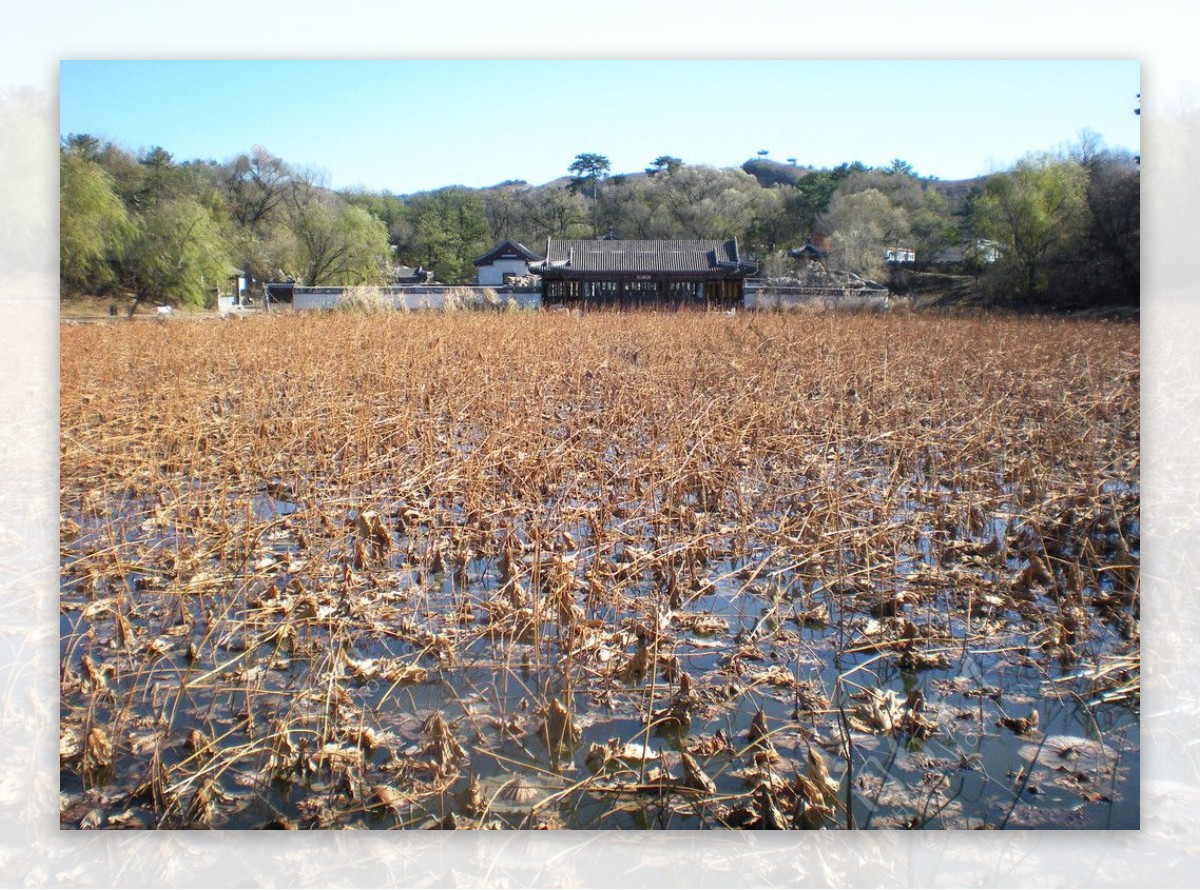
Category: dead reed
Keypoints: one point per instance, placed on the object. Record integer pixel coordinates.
(509, 570)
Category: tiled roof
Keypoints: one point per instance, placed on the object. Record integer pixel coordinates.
(507, 246)
(644, 256)
(807, 251)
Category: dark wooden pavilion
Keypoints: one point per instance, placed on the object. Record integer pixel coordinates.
(633, 274)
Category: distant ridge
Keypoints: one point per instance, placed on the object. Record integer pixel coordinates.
(768, 173)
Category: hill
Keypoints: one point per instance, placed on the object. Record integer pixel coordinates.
(769, 173)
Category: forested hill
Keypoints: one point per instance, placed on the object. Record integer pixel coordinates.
(1067, 224)
(772, 173)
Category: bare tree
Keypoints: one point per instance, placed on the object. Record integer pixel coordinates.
(258, 183)
(861, 226)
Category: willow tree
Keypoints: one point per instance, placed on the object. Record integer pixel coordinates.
(1035, 211)
(178, 254)
(93, 225)
(339, 244)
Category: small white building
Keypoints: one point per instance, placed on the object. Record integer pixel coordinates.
(988, 251)
(981, 250)
(505, 261)
(898, 254)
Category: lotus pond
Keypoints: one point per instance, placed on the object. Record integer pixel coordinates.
(619, 571)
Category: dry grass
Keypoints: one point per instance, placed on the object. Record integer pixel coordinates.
(365, 300)
(507, 569)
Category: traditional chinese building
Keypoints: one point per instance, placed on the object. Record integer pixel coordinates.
(507, 260)
(631, 274)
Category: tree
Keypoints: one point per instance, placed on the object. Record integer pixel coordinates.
(810, 198)
(1087, 150)
(162, 180)
(664, 164)
(450, 229)
(1106, 263)
(774, 225)
(157, 157)
(634, 209)
(706, 202)
(590, 170)
(843, 170)
(269, 255)
(177, 254)
(257, 183)
(556, 212)
(503, 206)
(339, 244)
(128, 175)
(93, 224)
(900, 188)
(1113, 200)
(932, 226)
(813, 192)
(1033, 212)
(861, 225)
(899, 165)
(82, 145)
(387, 208)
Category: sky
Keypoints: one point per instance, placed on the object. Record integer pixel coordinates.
(406, 126)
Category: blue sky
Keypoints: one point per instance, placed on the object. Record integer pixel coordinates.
(411, 125)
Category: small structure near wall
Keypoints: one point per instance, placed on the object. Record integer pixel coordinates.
(899, 254)
(410, 275)
(240, 296)
(507, 260)
(238, 284)
(650, 274)
(808, 251)
(279, 292)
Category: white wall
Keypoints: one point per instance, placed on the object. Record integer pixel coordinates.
(492, 275)
(226, 304)
(412, 298)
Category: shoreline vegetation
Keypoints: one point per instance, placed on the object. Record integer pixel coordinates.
(1058, 231)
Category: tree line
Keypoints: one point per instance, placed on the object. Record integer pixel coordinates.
(1065, 225)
